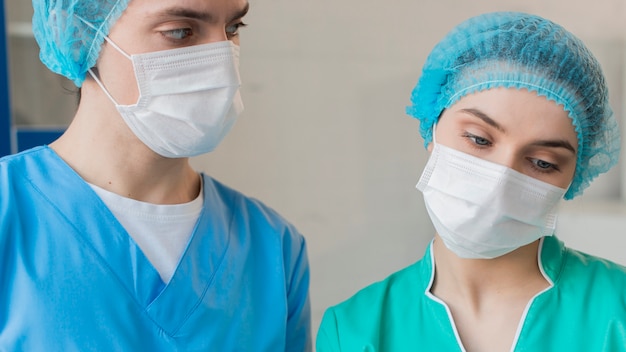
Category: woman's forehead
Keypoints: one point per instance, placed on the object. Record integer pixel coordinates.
(518, 110)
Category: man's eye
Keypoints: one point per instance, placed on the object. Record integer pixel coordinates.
(233, 29)
(178, 34)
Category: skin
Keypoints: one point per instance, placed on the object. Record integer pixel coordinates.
(531, 135)
(98, 144)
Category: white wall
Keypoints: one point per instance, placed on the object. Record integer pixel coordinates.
(325, 141)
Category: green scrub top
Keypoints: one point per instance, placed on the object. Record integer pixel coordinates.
(584, 309)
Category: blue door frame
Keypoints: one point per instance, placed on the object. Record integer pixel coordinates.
(15, 138)
(5, 98)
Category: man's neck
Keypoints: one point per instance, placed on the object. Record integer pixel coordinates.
(101, 148)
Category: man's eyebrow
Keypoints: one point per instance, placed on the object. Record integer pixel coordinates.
(481, 115)
(241, 12)
(200, 15)
(188, 13)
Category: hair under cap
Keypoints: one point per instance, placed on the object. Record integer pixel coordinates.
(70, 33)
(517, 50)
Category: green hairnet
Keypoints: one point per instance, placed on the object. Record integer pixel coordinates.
(68, 45)
(517, 50)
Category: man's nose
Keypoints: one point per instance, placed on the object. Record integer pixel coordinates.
(217, 34)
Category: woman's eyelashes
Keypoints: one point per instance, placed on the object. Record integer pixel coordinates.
(476, 141)
(543, 166)
(536, 165)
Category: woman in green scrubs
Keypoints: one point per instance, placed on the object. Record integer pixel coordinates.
(514, 112)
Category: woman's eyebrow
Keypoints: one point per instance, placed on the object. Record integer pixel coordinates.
(556, 143)
(481, 115)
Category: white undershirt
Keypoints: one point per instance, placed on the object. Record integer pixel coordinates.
(161, 231)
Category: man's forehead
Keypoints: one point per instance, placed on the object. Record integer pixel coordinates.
(206, 10)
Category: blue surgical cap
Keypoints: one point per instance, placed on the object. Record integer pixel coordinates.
(70, 33)
(517, 50)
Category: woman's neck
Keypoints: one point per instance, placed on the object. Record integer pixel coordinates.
(476, 280)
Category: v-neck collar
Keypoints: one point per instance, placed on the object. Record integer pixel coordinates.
(169, 305)
(550, 261)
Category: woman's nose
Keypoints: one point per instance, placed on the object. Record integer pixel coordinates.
(510, 159)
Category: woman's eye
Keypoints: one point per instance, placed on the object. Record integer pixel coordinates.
(178, 34)
(481, 141)
(477, 140)
(232, 30)
(543, 166)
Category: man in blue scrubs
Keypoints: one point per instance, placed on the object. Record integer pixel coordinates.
(109, 240)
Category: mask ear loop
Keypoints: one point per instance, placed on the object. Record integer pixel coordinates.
(434, 134)
(106, 37)
(91, 73)
(95, 77)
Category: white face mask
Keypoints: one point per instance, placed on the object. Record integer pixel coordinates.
(189, 98)
(484, 210)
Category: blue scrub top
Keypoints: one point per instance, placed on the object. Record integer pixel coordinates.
(72, 279)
